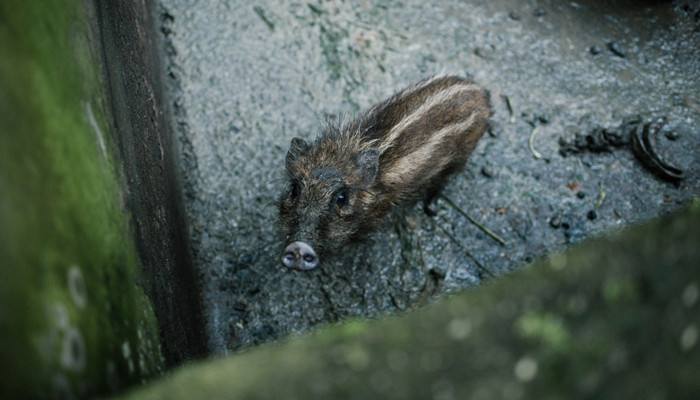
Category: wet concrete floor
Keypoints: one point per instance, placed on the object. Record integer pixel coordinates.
(554, 169)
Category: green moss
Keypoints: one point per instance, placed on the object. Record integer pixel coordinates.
(331, 38)
(547, 328)
(70, 306)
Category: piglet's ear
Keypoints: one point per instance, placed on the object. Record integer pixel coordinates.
(297, 148)
(368, 164)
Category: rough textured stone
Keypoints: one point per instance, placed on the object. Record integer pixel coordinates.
(143, 131)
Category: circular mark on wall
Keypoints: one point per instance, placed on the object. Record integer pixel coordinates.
(76, 286)
(73, 352)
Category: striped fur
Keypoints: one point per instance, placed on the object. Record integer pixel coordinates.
(434, 126)
(417, 138)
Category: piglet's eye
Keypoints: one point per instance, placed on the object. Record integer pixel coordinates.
(341, 199)
(294, 192)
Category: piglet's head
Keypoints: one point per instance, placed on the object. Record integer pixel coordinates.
(322, 208)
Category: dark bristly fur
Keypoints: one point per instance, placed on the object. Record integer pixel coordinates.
(400, 150)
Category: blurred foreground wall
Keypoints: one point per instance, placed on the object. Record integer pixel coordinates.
(614, 318)
(95, 281)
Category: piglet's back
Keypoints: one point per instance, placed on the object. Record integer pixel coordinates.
(423, 134)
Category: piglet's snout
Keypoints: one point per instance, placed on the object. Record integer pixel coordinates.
(299, 255)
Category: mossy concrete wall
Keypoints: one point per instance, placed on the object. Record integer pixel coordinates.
(616, 318)
(95, 286)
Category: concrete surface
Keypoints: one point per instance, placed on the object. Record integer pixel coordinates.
(247, 78)
(142, 129)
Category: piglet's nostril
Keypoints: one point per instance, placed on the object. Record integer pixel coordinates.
(288, 259)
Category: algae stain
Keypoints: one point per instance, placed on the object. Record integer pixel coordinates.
(68, 295)
(547, 328)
